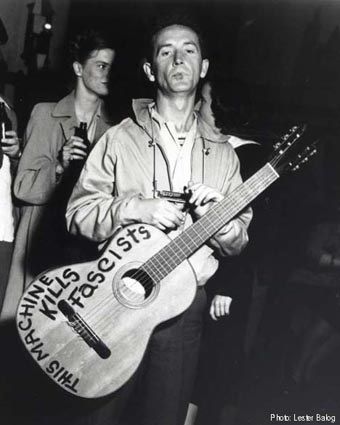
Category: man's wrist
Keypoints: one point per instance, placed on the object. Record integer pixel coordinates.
(131, 208)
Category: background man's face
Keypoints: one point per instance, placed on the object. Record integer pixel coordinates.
(177, 60)
(94, 73)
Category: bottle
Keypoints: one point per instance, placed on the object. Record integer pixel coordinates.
(81, 132)
(5, 125)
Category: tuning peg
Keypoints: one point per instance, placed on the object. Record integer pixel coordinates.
(290, 137)
(303, 157)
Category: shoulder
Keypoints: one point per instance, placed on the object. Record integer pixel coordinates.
(222, 147)
(125, 130)
(42, 112)
(44, 108)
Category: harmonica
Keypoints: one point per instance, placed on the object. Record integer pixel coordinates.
(178, 197)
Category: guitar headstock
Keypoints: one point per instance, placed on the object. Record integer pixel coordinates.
(293, 150)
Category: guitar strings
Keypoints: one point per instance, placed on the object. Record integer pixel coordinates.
(144, 282)
(139, 276)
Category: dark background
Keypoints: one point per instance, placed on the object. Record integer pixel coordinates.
(284, 59)
(283, 56)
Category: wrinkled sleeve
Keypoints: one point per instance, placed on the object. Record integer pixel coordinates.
(36, 174)
(94, 211)
(233, 237)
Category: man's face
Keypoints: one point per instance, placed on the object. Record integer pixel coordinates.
(94, 73)
(177, 60)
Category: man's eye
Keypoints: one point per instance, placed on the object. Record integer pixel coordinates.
(165, 53)
(102, 66)
(190, 51)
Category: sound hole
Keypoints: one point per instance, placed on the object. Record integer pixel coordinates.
(134, 287)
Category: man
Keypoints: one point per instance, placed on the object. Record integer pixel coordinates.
(49, 165)
(166, 147)
(45, 176)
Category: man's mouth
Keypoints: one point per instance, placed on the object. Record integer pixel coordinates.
(178, 75)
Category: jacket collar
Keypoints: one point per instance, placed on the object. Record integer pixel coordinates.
(65, 108)
(143, 118)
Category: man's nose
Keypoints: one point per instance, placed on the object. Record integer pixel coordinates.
(106, 73)
(178, 58)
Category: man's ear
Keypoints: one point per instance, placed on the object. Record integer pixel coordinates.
(147, 67)
(78, 69)
(205, 67)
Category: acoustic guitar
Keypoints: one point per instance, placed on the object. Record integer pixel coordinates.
(87, 325)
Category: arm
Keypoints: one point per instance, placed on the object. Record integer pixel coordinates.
(233, 237)
(36, 176)
(96, 212)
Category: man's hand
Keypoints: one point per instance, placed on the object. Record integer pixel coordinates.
(73, 149)
(201, 197)
(220, 306)
(160, 213)
(11, 144)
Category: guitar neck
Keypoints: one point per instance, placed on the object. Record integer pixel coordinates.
(196, 235)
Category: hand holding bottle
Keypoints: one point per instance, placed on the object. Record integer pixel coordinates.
(11, 144)
(76, 147)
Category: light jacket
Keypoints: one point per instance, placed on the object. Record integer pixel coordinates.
(50, 125)
(120, 169)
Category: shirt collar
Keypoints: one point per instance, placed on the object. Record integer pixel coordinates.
(160, 121)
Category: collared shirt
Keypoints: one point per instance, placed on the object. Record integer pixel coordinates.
(119, 170)
(92, 125)
(91, 129)
(177, 147)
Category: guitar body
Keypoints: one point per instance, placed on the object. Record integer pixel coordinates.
(88, 325)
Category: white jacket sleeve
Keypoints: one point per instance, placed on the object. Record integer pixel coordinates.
(93, 209)
(233, 237)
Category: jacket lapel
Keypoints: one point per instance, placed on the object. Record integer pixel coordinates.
(64, 110)
(103, 124)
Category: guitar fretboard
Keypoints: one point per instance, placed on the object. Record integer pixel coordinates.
(189, 241)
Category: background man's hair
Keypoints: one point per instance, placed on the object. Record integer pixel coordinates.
(86, 42)
(176, 16)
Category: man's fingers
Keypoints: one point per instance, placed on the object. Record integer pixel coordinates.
(212, 312)
(169, 220)
(202, 194)
(11, 141)
(173, 213)
(78, 153)
(79, 144)
(74, 141)
(220, 306)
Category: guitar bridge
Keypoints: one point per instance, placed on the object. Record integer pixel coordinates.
(84, 330)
